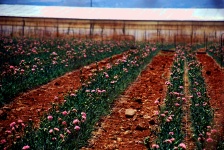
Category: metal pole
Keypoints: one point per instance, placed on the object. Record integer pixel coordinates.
(91, 3)
(175, 41)
(221, 50)
(221, 40)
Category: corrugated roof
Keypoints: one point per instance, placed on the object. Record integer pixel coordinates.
(152, 14)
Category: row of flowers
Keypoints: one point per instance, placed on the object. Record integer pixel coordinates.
(27, 63)
(217, 53)
(201, 111)
(170, 135)
(69, 125)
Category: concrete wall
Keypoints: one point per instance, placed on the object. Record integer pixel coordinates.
(154, 31)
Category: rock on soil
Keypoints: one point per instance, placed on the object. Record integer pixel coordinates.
(130, 112)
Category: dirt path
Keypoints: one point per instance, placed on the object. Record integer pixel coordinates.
(34, 103)
(186, 109)
(127, 131)
(214, 78)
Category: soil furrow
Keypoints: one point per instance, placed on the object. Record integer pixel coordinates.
(34, 103)
(186, 108)
(133, 116)
(214, 78)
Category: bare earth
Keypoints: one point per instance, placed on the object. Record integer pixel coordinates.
(118, 131)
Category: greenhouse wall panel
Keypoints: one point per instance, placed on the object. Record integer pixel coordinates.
(159, 31)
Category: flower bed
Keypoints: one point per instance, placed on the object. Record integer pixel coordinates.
(69, 126)
(217, 53)
(170, 135)
(27, 63)
(201, 111)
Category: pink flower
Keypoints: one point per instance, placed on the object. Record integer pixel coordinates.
(54, 53)
(183, 98)
(83, 118)
(156, 112)
(167, 83)
(68, 131)
(72, 94)
(62, 136)
(167, 120)
(163, 115)
(8, 132)
(77, 128)
(213, 130)
(20, 121)
(22, 70)
(12, 124)
(11, 67)
(170, 118)
(50, 118)
(177, 104)
(55, 98)
(204, 103)
(182, 145)
(156, 102)
(168, 141)
(23, 125)
(107, 76)
(83, 114)
(209, 127)
(64, 123)
(3, 141)
(64, 113)
(76, 121)
(26, 147)
(56, 129)
(209, 140)
(54, 139)
(171, 133)
(208, 133)
(155, 146)
(51, 131)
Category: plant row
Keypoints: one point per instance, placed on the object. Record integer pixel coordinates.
(217, 53)
(27, 63)
(69, 125)
(201, 111)
(170, 134)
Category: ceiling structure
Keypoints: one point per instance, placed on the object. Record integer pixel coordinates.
(122, 3)
(155, 14)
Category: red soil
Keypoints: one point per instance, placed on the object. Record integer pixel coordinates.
(34, 103)
(214, 78)
(116, 131)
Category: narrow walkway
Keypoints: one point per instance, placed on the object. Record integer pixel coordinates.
(133, 116)
(186, 109)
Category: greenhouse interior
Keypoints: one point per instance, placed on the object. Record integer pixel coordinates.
(111, 75)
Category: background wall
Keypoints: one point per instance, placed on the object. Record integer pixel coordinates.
(154, 31)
